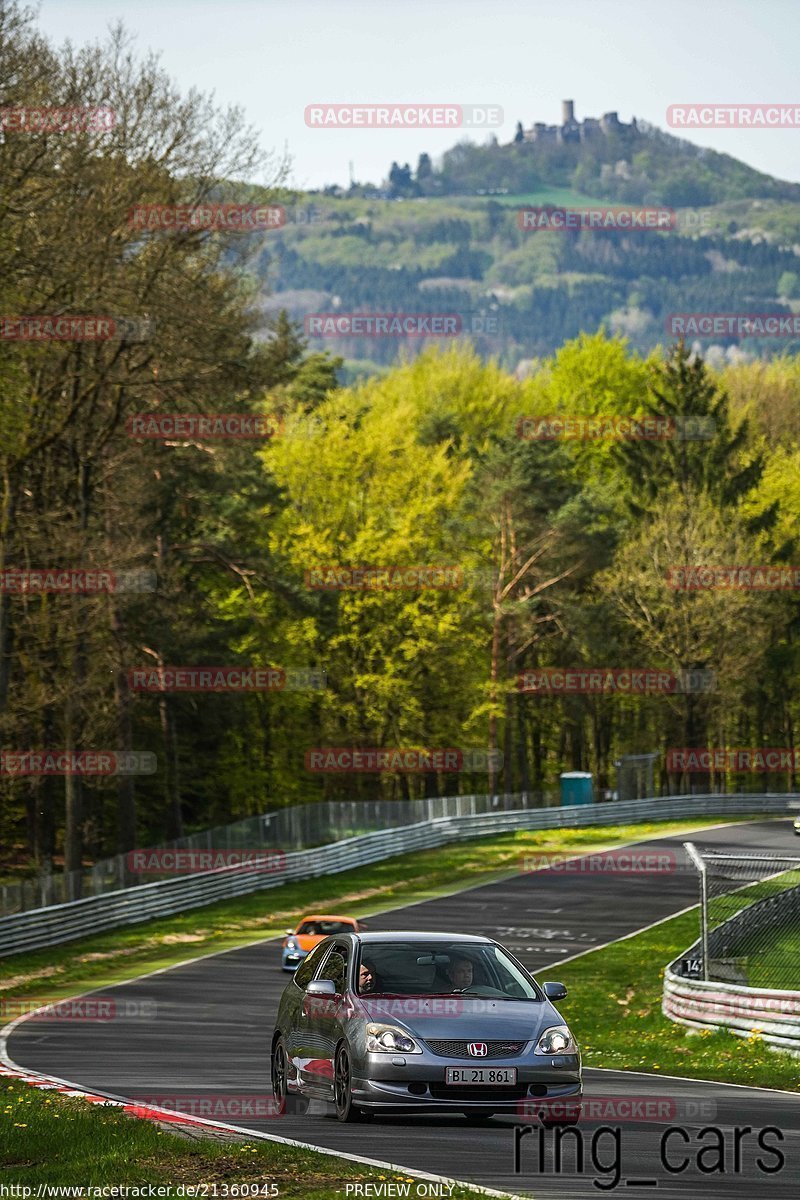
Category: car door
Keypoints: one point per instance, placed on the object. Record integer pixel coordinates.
(322, 1016)
(294, 1024)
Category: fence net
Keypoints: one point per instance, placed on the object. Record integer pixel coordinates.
(751, 919)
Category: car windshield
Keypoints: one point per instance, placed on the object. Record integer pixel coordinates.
(325, 928)
(441, 968)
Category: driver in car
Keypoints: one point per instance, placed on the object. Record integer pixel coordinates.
(460, 973)
(367, 978)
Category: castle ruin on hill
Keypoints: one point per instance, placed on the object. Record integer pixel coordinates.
(571, 130)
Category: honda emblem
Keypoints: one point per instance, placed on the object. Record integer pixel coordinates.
(477, 1049)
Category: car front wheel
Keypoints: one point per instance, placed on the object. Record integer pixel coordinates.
(342, 1089)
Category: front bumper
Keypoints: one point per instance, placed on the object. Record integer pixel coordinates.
(418, 1081)
(291, 959)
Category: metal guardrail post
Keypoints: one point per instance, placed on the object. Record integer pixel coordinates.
(700, 866)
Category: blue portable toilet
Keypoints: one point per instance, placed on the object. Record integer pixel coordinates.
(576, 788)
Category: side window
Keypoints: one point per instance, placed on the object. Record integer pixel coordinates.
(335, 968)
(302, 976)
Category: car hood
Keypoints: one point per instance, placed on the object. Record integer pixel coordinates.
(307, 941)
(461, 1017)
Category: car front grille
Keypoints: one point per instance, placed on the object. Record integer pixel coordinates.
(458, 1049)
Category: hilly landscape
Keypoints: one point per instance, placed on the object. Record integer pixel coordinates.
(445, 238)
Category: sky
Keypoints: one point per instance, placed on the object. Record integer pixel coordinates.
(275, 57)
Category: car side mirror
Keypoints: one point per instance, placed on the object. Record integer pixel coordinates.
(321, 987)
(554, 991)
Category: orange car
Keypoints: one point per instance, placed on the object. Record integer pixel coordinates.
(312, 929)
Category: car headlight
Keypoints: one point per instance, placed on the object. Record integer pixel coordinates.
(291, 944)
(556, 1040)
(388, 1039)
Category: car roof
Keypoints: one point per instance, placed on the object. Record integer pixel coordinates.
(325, 917)
(416, 936)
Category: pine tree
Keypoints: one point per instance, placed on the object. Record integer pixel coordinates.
(704, 453)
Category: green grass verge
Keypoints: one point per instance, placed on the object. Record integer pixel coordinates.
(771, 958)
(46, 1138)
(120, 954)
(614, 1009)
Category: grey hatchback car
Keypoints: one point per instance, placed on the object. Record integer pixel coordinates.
(420, 1022)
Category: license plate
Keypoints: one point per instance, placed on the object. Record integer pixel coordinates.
(464, 1076)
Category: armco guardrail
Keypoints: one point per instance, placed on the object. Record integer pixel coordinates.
(706, 1004)
(64, 922)
(297, 827)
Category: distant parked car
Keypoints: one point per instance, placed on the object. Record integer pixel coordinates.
(309, 933)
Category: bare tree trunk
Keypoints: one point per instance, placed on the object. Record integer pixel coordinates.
(538, 757)
(522, 747)
(6, 625)
(168, 732)
(507, 768)
(126, 788)
(126, 792)
(73, 795)
(171, 773)
(73, 784)
(494, 677)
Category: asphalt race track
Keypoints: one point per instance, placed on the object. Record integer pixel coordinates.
(213, 1021)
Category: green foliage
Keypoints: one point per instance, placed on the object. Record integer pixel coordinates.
(789, 285)
(558, 548)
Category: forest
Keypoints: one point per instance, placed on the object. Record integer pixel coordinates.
(305, 542)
